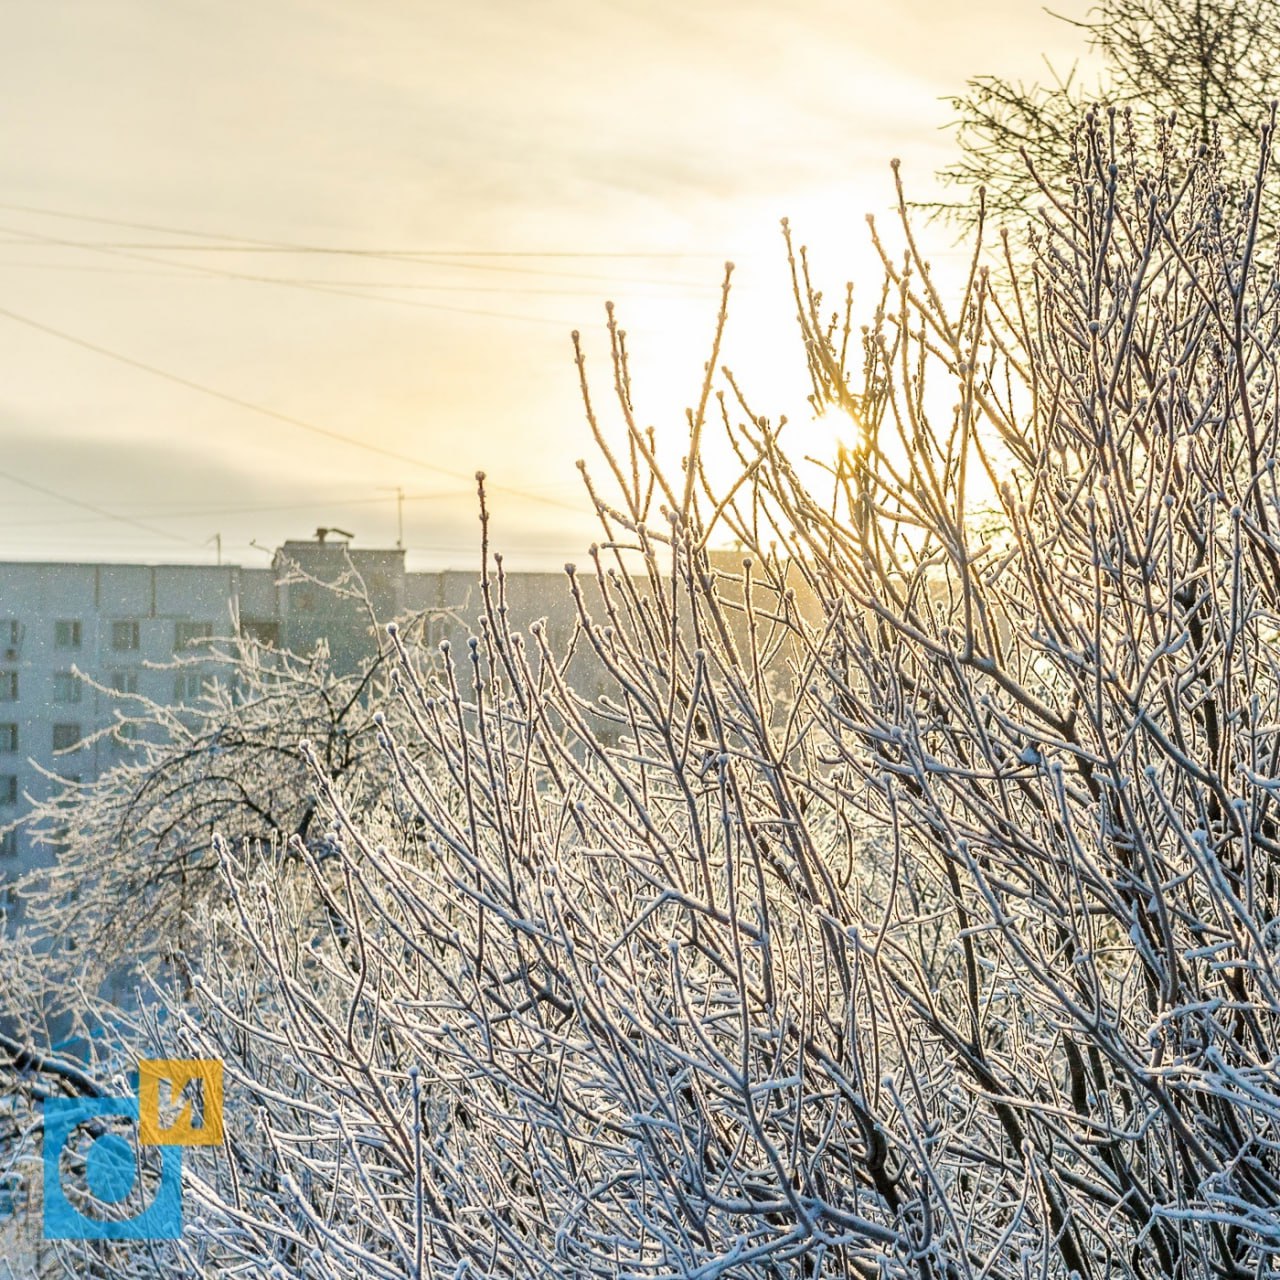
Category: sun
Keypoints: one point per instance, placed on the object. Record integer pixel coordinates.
(669, 335)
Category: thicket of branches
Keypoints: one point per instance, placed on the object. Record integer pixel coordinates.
(131, 851)
(950, 955)
(1213, 66)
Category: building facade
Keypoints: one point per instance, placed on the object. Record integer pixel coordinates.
(75, 636)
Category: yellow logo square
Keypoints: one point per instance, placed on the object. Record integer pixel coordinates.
(179, 1072)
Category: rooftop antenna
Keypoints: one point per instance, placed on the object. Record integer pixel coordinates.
(399, 492)
(217, 540)
(323, 532)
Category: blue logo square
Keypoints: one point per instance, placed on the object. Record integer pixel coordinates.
(111, 1171)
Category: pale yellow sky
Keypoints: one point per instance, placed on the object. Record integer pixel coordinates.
(198, 146)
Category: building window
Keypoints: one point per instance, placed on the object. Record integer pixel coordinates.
(189, 685)
(66, 686)
(125, 635)
(66, 736)
(303, 600)
(66, 633)
(9, 844)
(8, 738)
(8, 788)
(124, 738)
(262, 631)
(11, 638)
(8, 686)
(186, 634)
(124, 681)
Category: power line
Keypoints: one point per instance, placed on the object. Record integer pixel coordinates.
(224, 273)
(467, 549)
(301, 423)
(187, 512)
(250, 246)
(184, 271)
(285, 246)
(462, 258)
(89, 506)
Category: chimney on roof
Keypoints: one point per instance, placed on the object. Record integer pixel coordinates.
(323, 532)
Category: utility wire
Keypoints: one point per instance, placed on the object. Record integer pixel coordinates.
(300, 423)
(184, 271)
(284, 245)
(89, 506)
(224, 273)
(243, 244)
(427, 257)
(187, 512)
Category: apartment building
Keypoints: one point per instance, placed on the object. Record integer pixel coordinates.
(118, 625)
(74, 635)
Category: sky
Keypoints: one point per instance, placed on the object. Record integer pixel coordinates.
(265, 262)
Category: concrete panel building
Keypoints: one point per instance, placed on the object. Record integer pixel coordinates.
(71, 632)
(72, 635)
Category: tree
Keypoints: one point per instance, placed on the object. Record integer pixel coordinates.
(1213, 66)
(132, 848)
(950, 956)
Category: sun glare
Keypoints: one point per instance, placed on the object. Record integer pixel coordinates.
(670, 340)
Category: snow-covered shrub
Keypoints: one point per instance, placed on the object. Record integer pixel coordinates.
(950, 954)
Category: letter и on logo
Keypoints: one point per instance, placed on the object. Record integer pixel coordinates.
(180, 1072)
